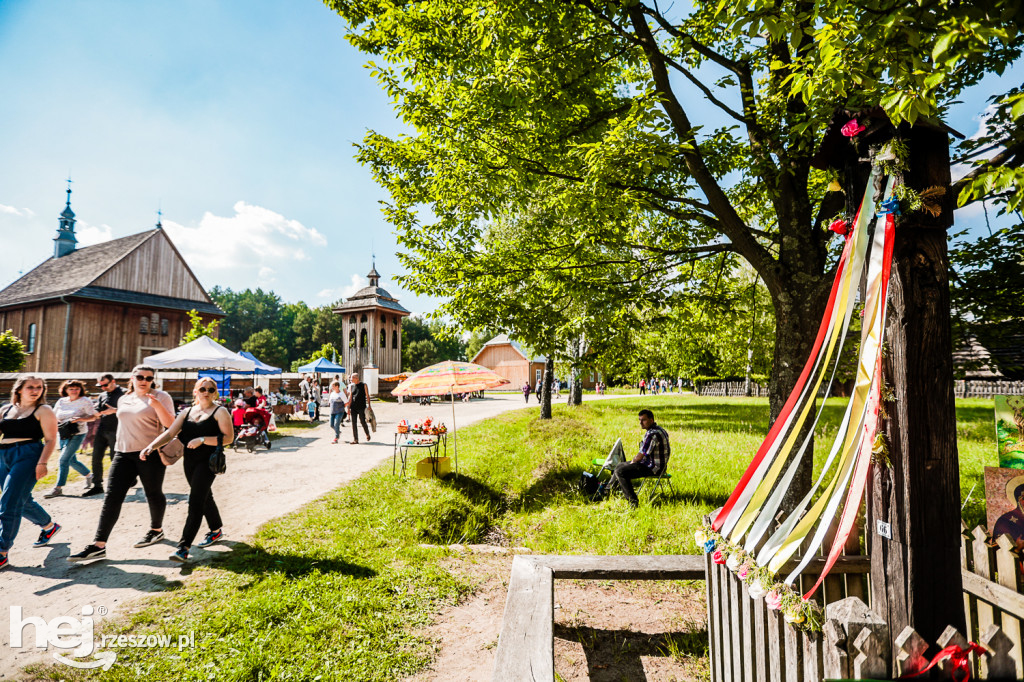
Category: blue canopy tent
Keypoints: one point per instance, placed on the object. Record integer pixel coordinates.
(261, 367)
(322, 366)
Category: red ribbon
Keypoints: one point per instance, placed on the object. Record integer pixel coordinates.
(958, 656)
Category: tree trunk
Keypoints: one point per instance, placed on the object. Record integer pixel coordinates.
(915, 576)
(798, 317)
(576, 388)
(545, 390)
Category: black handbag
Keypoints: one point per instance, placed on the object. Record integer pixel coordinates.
(218, 461)
(67, 430)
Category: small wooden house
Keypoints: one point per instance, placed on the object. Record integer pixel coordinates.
(508, 359)
(102, 308)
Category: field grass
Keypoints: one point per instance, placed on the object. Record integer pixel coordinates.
(339, 588)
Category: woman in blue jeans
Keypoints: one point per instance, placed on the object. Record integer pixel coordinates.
(74, 409)
(24, 456)
(337, 400)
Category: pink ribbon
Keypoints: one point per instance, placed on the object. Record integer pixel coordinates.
(957, 656)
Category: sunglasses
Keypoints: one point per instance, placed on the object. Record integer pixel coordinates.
(140, 377)
(205, 389)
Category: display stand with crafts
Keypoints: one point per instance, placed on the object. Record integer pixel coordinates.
(428, 436)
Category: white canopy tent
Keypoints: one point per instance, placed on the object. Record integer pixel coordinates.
(203, 353)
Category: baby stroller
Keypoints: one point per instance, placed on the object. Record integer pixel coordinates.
(252, 433)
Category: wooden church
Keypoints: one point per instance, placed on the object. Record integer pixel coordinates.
(102, 308)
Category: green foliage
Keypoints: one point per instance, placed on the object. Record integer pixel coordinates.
(265, 345)
(198, 329)
(12, 352)
(426, 343)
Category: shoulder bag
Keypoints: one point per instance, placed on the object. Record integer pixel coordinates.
(218, 462)
(67, 430)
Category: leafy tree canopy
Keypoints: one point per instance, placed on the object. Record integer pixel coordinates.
(198, 329)
(12, 352)
(265, 345)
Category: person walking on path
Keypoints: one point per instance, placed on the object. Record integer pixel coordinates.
(73, 410)
(142, 414)
(28, 436)
(359, 398)
(337, 400)
(650, 461)
(526, 392)
(199, 428)
(643, 387)
(106, 430)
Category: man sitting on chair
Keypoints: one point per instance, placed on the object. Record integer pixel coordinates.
(650, 461)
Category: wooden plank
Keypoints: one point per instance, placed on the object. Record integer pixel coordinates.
(814, 663)
(844, 564)
(735, 627)
(776, 647)
(747, 609)
(722, 574)
(990, 593)
(659, 567)
(526, 647)
(760, 643)
(793, 670)
(711, 586)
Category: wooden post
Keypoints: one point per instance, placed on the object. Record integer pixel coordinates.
(915, 576)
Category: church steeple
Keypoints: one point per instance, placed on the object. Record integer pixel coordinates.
(65, 242)
(374, 276)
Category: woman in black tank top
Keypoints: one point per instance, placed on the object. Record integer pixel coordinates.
(24, 424)
(198, 428)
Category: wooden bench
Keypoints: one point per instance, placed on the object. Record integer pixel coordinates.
(526, 645)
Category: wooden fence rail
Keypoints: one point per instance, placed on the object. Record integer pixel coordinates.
(984, 388)
(732, 389)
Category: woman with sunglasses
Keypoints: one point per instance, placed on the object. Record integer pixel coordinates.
(75, 409)
(198, 428)
(28, 436)
(142, 414)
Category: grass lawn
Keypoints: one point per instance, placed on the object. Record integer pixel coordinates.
(337, 588)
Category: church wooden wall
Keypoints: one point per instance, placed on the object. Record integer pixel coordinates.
(154, 268)
(102, 337)
(507, 362)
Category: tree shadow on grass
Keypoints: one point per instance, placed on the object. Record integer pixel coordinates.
(475, 490)
(246, 559)
(614, 655)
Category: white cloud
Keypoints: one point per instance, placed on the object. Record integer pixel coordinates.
(246, 249)
(92, 234)
(355, 284)
(20, 212)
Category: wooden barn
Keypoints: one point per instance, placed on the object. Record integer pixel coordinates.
(102, 308)
(507, 358)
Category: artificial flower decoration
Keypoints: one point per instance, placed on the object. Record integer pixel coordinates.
(793, 615)
(743, 571)
(834, 186)
(840, 226)
(853, 128)
(709, 545)
(718, 557)
(756, 589)
(773, 600)
(700, 537)
(890, 205)
(733, 563)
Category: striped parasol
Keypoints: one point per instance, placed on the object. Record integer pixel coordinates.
(450, 377)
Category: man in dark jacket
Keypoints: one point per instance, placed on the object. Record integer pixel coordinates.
(106, 432)
(358, 401)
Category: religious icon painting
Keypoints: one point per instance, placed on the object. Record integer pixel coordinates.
(1004, 497)
(1010, 430)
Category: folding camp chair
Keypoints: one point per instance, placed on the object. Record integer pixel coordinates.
(616, 457)
(663, 477)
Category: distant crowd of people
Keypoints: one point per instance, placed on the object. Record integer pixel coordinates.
(656, 386)
(143, 434)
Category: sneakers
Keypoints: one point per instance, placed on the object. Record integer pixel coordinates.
(334, 442)
(56, 492)
(88, 481)
(95, 490)
(150, 538)
(211, 537)
(3, 561)
(88, 554)
(45, 535)
(180, 555)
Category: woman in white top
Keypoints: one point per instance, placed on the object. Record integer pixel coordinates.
(142, 415)
(337, 399)
(73, 410)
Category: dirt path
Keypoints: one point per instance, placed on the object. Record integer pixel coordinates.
(45, 585)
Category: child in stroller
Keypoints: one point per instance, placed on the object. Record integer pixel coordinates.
(250, 427)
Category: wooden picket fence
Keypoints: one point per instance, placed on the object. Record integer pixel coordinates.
(732, 389)
(984, 388)
(750, 643)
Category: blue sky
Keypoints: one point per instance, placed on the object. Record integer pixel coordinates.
(236, 118)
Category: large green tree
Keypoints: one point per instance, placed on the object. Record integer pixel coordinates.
(12, 352)
(589, 104)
